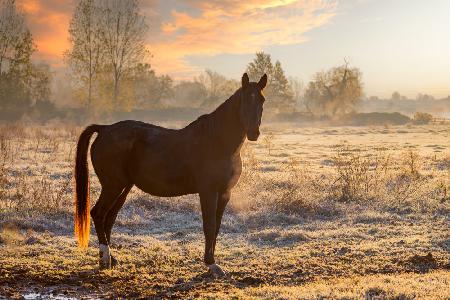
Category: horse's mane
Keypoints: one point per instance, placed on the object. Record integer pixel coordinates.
(207, 122)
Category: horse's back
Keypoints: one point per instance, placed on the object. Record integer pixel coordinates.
(122, 136)
(149, 156)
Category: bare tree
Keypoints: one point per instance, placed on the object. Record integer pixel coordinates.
(297, 87)
(334, 92)
(16, 69)
(217, 86)
(16, 43)
(86, 54)
(12, 28)
(122, 32)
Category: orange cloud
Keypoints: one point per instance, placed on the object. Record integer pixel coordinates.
(235, 27)
(49, 23)
(193, 27)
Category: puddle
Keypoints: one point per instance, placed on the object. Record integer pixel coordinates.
(61, 292)
(37, 296)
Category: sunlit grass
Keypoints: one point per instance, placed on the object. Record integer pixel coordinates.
(332, 212)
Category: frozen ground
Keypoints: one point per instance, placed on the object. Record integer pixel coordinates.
(339, 213)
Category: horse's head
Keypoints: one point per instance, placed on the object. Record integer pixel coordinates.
(251, 107)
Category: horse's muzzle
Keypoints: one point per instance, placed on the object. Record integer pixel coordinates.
(252, 135)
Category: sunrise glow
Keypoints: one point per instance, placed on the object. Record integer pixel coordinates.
(186, 37)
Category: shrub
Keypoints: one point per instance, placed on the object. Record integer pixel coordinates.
(268, 141)
(358, 174)
(421, 118)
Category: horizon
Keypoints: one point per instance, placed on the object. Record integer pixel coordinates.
(398, 46)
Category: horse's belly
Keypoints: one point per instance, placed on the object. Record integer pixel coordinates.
(163, 185)
(161, 191)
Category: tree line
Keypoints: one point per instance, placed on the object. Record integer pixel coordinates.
(24, 86)
(107, 64)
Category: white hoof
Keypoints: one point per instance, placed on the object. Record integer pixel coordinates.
(216, 271)
(104, 261)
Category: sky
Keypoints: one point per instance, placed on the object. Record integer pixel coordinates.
(399, 45)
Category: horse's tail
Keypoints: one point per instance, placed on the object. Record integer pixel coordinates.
(82, 203)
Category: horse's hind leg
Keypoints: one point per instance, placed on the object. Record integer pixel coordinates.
(112, 215)
(105, 203)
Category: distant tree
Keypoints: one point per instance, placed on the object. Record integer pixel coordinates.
(297, 87)
(122, 30)
(424, 97)
(107, 44)
(86, 55)
(280, 83)
(165, 87)
(396, 96)
(16, 48)
(334, 92)
(103, 87)
(14, 35)
(189, 94)
(150, 89)
(261, 64)
(15, 97)
(212, 81)
(278, 90)
(41, 81)
(218, 87)
(42, 108)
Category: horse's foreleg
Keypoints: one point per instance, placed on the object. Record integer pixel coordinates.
(221, 204)
(208, 201)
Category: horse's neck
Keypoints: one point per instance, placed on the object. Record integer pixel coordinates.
(229, 133)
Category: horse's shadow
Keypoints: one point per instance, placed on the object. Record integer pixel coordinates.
(198, 282)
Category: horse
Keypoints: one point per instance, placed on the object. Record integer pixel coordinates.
(203, 157)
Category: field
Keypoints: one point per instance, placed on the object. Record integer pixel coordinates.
(319, 213)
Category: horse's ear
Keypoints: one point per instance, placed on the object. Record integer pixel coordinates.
(245, 80)
(262, 82)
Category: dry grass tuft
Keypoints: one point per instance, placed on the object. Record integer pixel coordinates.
(10, 234)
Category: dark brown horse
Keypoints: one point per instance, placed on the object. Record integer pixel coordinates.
(204, 158)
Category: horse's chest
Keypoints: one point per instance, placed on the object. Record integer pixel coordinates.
(234, 176)
(224, 173)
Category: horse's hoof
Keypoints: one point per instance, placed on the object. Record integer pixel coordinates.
(104, 265)
(104, 261)
(216, 271)
(114, 262)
